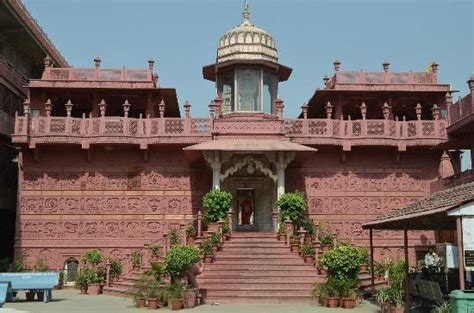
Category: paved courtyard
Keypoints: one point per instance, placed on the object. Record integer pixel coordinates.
(70, 301)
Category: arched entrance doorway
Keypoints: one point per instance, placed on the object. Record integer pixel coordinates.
(71, 269)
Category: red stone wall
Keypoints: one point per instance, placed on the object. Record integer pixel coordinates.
(117, 202)
(369, 183)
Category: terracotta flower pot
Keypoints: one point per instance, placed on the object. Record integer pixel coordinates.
(348, 303)
(384, 307)
(208, 259)
(30, 296)
(140, 302)
(309, 259)
(282, 237)
(395, 309)
(83, 290)
(176, 304)
(189, 298)
(93, 289)
(332, 302)
(364, 268)
(213, 227)
(152, 303)
(214, 249)
(295, 248)
(136, 268)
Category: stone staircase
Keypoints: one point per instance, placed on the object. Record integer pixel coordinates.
(254, 267)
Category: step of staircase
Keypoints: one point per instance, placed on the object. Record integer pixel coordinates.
(254, 267)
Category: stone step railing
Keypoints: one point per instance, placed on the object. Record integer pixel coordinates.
(111, 129)
(361, 77)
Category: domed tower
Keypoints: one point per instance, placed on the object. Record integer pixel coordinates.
(247, 71)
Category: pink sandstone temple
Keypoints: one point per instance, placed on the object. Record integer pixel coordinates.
(109, 160)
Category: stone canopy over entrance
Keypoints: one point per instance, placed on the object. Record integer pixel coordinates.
(253, 171)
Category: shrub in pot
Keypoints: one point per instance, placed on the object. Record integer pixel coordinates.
(175, 295)
(217, 203)
(174, 237)
(115, 270)
(294, 243)
(140, 291)
(364, 259)
(41, 265)
(155, 251)
(307, 251)
(153, 294)
(382, 298)
(332, 299)
(226, 230)
(281, 233)
(310, 228)
(396, 278)
(92, 258)
(93, 281)
(136, 259)
(318, 292)
(190, 234)
(292, 206)
(326, 240)
(206, 251)
(189, 296)
(379, 270)
(179, 260)
(81, 282)
(216, 241)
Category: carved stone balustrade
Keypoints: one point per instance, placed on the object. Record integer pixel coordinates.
(149, 131)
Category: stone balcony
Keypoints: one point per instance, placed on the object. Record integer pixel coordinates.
(149, 131)
(9, 76)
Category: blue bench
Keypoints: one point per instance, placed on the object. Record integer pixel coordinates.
(5, 292)
(37, 281)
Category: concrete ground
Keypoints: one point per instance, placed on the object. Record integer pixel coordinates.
(70, 301)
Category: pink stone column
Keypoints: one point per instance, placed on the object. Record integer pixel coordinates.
(199, 224)
(275, 221)
(230, 212)
(182, 230)
(107, 277)
(317, 248)
(289, 231)
(301, 235)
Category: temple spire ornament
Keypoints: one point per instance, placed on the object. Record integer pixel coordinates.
(246, 12)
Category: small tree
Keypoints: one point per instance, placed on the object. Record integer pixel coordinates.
(115, 268)
(174, 237)
(217, 203)
(179, 260)
(292, 206)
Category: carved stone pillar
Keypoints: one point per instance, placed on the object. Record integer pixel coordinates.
(126, 108)
(199, 224)
(275, 221)
(69, 106)
(289, 231)
(102, 107)
(301, 235)
(48, 106)
(107, 273)
(230, 212)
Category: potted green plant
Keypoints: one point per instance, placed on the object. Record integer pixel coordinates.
(206, 251)
(345, 285)
(318, 293)
(307, 251)
(156, 271)
(136, 259)
(189, 295)
(175, 296)
(379, 270)
(190, 234)
(92, 258)
(115, 270)
(281, 233)
(140, 290)
(382, 298)
(396, 278)
(326, 240)
(332, 299)
(179, 260)
(93, 281)
(174, 237)
(226, 230)
(217, 203)
(364, 259)
(155, 252)
(294, 243)
(153, 294)
(310, 228)
(216, 241)
(81, 282)
(292, 206)
(41, 265)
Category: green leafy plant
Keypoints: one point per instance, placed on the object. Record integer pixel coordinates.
(155, 249)
(191, 231)
(396, 277)
(294, 240)
(281, 230)
(382, 295)
(226, 227)
(342, 262)
(81, 279)
(216, 239)
(443, 307)
(174, 290)
(92, 276)
(307, 249)
(380, 268)
(309, 226)
(364, 255)
(326, 239)
(156, 271)
(115, 268)
(180, 259)
(217, 203)
(174, 237)
(41, 265)
(154, 290)
(140, 289)
(292, 206)
(136, 257)
(206, 248)
(92, 257)
(19, 265)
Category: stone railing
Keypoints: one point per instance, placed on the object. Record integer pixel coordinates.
(458, 111)
(97, 74)
(452, 181)
(192, 130)
(361, 77)
(13, 77)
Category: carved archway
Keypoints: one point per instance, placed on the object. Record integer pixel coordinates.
(248, 161)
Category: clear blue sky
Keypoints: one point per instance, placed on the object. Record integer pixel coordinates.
(182, 35)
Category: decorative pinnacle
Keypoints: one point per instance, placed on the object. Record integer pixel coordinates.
(246, 12)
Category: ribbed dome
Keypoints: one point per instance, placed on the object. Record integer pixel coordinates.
(246, 42)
